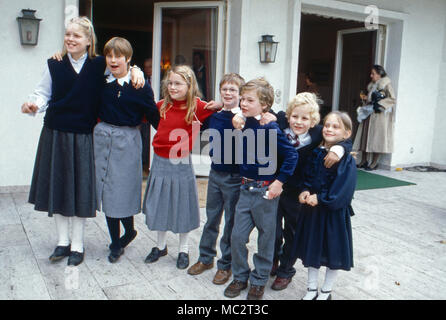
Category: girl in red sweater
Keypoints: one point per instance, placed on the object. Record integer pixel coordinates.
(171, 198)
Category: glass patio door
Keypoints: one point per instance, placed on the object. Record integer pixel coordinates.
(190, 33)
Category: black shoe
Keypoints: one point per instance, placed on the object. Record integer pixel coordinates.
(75, 258)
(363, 165)
(60, 252)
(183, 260)
(155, 254)
(126, 239)
(115, 255)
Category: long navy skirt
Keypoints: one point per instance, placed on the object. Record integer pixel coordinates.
(63, 180)
(324, 238)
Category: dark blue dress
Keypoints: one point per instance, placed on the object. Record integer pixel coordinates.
(323, 234)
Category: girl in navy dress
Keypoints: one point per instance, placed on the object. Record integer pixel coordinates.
(323, 234)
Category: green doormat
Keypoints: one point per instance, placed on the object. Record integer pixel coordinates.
(366, 180)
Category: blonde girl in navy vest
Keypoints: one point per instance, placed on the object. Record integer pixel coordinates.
(63, 182)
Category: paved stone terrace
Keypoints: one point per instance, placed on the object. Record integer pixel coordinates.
(399, 237)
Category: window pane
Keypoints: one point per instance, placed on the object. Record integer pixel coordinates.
(189, 36)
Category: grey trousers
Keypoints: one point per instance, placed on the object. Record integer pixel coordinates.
(222, 195)
(254, 211)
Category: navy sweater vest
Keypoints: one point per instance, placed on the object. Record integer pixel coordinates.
(75, 98)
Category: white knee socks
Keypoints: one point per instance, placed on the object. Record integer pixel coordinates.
(77, 239)
(313, 275)
(162, 239)
(62, 230)
(184, 242)
(330, 277)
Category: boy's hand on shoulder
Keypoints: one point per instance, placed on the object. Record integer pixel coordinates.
(267, 117)
(57, 56)
(303, 197)
(275, 189)
(331, 159)
(137, 77)
(238, 122)
(312, 200)
(213, 105)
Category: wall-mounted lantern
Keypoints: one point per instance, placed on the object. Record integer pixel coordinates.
(28, 27)
(267, 49)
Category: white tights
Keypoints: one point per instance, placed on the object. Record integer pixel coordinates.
(313, 275)
(183, 241)
(77, 239)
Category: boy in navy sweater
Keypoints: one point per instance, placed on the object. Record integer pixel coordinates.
(268, 161)
(223, 186)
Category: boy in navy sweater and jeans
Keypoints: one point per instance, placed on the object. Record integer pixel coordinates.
(264, 148)
(224, 184)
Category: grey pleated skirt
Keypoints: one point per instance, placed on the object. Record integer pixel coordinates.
(171, 198)
(117, 153)
(63, 180)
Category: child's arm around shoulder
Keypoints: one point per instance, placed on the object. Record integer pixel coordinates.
(340, 192)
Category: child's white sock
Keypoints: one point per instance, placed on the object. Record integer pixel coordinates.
(184, 242)
(162, 239)
(313, 275)
(62, 224)
(330, 277)
(77, 242)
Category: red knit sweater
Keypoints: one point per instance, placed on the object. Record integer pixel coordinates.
(181, 141)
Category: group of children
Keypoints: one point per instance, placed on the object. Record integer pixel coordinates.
(89, 158)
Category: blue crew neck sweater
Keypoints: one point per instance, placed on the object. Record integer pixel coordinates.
(126, 106)
(260, 157)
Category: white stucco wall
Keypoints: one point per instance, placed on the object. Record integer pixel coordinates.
(279, 18)
(439, 141)
(21, 70)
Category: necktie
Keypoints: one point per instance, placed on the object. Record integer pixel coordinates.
(295, 142)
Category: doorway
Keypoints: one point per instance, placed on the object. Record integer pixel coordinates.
(337, 55)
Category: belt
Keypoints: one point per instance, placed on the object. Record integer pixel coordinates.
(257, 183)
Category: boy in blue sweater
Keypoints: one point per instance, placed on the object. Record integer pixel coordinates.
(223, 186)
(268, 161)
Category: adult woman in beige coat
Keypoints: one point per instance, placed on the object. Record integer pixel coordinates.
(375, 133)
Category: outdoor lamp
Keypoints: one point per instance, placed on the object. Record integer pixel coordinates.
(267, 49)
(28, 27)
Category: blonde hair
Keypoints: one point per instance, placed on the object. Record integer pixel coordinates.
(233, 78)
(193, 92)
(88, 29)
(308, 100)
(343, 117)
(120, 46)
(264, 91)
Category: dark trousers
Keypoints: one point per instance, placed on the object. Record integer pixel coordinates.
(287, 213)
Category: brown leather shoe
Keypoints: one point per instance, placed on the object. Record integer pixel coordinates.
(199, 267)
(222, 276)
(280, 283)
(234, 288)
(256, 292)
